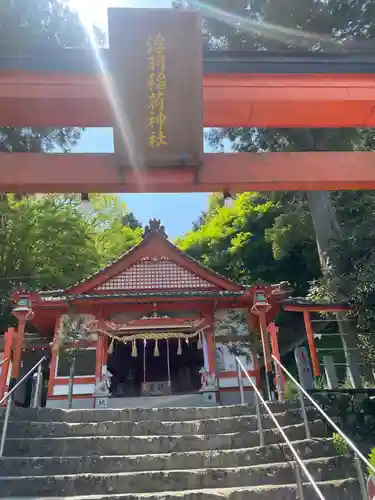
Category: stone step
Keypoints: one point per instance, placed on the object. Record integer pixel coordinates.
(127, 428)
(140, 414)
(346, 489)
(140, 445)
(44, 466)
(323, 469)
(192, 400)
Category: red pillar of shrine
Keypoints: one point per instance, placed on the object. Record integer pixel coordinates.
(99, 358)
(54, 354)
(8, 337)
(266, 351)
(312, 345)
(273, 330)
(260, 308)
(23, 313)
(17, 351)
(210, 348)
(101, 348)
(256, 366)
(105, 352)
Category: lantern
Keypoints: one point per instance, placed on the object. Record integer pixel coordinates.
(260, 301)
(23, 310)
(24, 302)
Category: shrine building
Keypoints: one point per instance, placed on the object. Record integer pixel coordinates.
(154, 320)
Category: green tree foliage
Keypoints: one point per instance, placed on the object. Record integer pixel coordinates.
(115, 229)
(341, 25)
(339, 222)
(240, 242)
(39, 25)
(46, 243)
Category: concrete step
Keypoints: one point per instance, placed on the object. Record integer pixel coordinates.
(139, 414)
(323, 469)
(44, 466)
(127, 428)
(346, 489)
(140, 445)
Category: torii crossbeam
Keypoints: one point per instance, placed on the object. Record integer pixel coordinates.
(240, 89)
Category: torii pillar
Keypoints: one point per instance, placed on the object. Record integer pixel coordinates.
(273, 330)
(260, 308)
(23, 313)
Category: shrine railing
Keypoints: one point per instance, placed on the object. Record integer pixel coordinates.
(298, 463)
(3, 361)
(359, 458)
(8, 398)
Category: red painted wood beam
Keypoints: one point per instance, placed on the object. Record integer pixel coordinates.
(317, 308)
(237, 172)
(230, 100)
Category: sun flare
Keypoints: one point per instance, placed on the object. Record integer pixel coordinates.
(93, 12)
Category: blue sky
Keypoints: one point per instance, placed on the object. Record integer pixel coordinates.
(176, 211)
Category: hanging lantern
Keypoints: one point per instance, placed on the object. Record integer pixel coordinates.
(199, 343)
(156, 349)
(187, 341)
(134, 349)
(179, 349)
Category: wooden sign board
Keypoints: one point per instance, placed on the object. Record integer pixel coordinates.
(156, 64)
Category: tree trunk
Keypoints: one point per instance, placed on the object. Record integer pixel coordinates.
(325, 224)
(326, 229)
(71, 382)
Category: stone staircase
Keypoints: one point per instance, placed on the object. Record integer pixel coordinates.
(170, 453)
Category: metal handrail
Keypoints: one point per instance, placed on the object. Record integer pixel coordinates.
(9, 398)
(279, 428)
(3, 361)
(8, 394)
(357, 454)
(329, 420)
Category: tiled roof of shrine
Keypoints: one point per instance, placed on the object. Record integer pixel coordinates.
(60, 295)
(154, 267)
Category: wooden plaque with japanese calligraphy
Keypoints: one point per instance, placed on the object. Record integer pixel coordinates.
(156, 65)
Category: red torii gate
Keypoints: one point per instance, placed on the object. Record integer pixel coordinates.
(66, 88)
(159, 88)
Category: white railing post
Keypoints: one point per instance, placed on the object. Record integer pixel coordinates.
(361, 477)
(5, 424)
(304, 415)
(279, 385)
(38, 387)
(259, 421)
(8, 398)
(240, 383)
(297, 471)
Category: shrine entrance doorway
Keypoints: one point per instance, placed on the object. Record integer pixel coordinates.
(150, 368)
